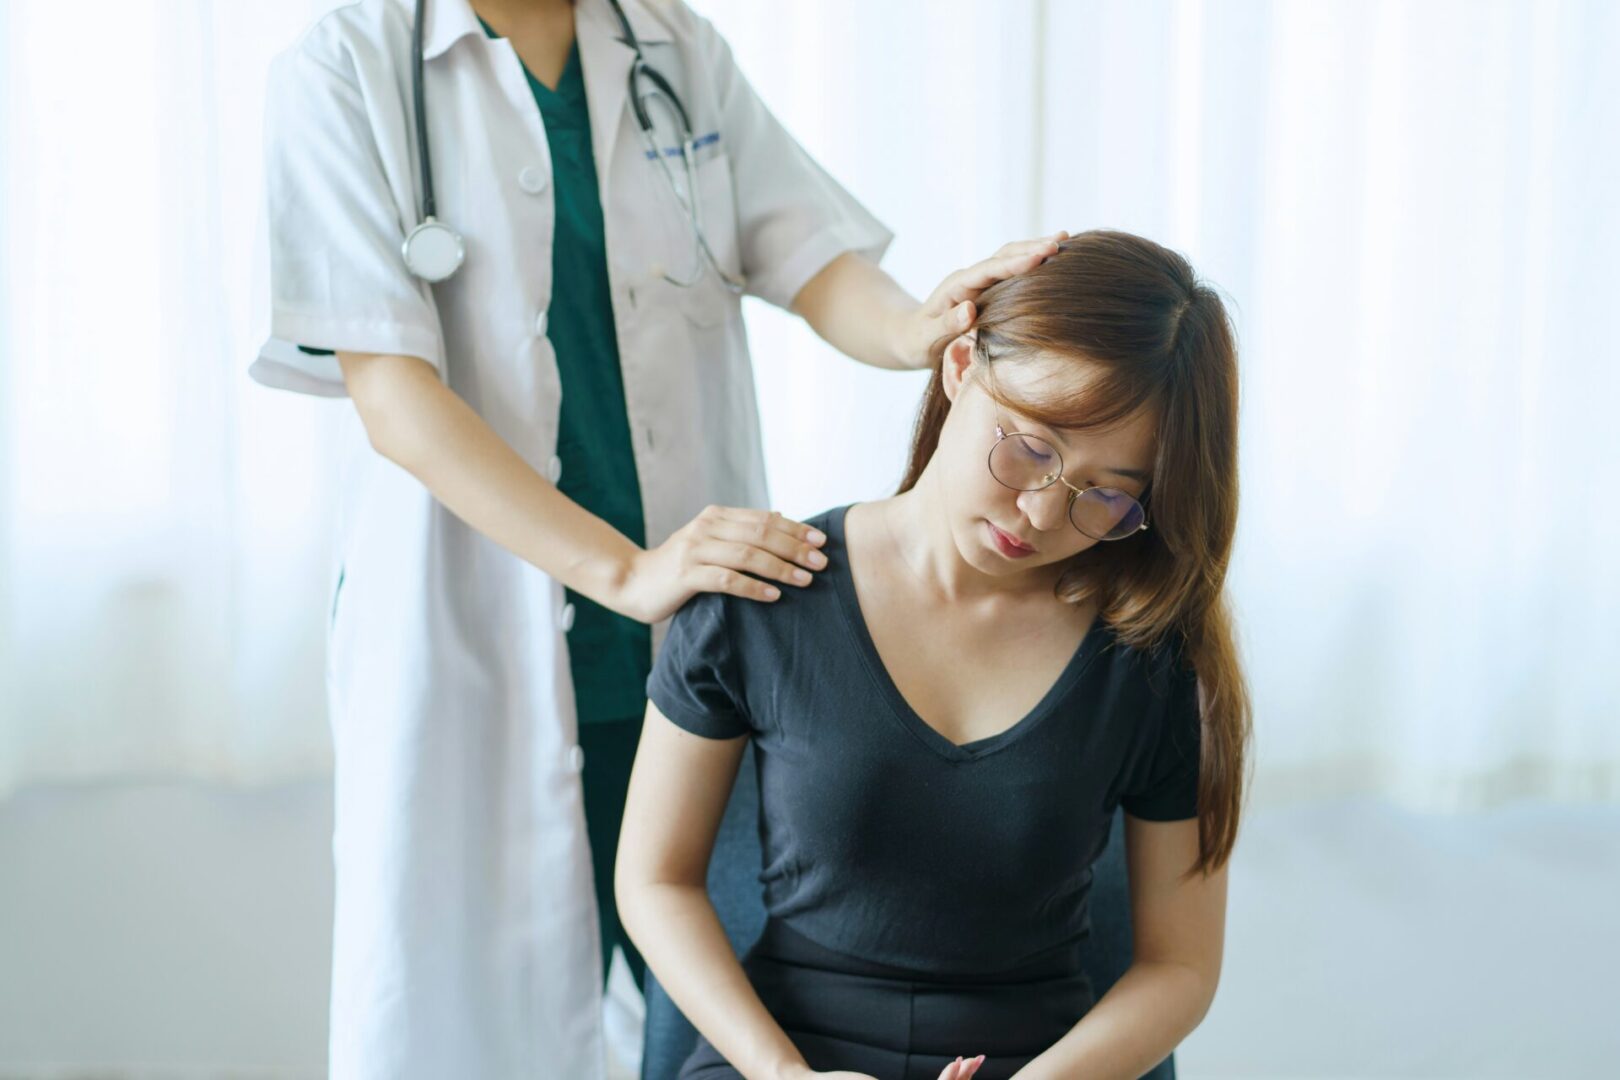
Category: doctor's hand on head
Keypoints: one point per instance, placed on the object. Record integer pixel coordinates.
(950, 309)
(865, 314)
(724, 549)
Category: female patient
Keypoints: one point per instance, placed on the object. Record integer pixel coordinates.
(1032, 632)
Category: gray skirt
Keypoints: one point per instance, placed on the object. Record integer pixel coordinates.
(844, 1013)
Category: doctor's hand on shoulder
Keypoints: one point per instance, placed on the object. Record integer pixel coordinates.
(717, 551)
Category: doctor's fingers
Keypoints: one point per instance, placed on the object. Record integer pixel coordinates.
(768, 529)
(744, 556)
(1010, 260)
(1024, 247)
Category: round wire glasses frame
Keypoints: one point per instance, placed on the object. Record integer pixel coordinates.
(1025, 462)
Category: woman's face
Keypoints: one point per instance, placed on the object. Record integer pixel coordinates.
(1001, 531)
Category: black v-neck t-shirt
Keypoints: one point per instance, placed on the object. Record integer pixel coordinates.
(884, 840)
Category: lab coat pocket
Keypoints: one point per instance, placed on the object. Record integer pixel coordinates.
(709, 302)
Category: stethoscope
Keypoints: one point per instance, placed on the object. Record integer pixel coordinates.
(433, 250)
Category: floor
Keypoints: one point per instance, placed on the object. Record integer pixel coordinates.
(166, 931)
(1365, 942)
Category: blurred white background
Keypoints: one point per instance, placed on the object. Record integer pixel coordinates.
(1411, 208)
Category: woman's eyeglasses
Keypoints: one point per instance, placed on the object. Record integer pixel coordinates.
(1027, 462)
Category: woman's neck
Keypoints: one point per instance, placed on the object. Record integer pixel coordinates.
(917, 527)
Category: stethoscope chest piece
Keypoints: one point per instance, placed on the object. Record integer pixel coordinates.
(433, 250)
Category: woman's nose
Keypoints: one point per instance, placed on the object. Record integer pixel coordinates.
(1046, 508)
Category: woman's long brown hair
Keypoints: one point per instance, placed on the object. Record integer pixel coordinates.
(1153, 336)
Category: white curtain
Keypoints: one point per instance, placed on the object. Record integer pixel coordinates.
(163, 523)
(1412, 210)
(1413, 207)
(1410, 207)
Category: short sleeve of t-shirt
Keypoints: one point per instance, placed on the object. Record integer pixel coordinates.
(694, 678)
(1164, 784)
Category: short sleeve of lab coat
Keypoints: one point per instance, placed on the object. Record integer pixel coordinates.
(792, 217)
(337, 276)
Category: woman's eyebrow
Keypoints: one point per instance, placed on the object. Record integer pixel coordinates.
(1131, 474)
(1138, 475)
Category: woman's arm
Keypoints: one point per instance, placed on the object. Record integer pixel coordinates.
(1178, 929)
(864, 313)
(420, 424)
(678, 791)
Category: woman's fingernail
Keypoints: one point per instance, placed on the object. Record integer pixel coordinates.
(818, 560)
(772, 592)
(802, 576)
(817, 536)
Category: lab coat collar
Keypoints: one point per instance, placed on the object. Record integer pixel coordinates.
(448, 21)
(648, 30)
(606, 58)
(604, 54)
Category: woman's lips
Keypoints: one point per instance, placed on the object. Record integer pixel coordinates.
(1009, 545)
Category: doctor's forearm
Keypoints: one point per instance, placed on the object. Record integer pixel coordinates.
(1135, 1025)
(423, 426)
(680, 937)
(858, 309)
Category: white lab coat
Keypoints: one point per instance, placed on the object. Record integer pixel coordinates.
(465, 944)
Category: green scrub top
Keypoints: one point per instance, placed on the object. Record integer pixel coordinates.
(610, 655)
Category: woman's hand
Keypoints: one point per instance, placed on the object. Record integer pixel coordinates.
(801, 1071)
(716, 552)
(962, 1070)
(956, 1070)
(949, 309)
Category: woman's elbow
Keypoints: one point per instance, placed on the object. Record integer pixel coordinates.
(1190, 982)
(628, 892)
(1206, 979)
(642, 880)
(644, 902)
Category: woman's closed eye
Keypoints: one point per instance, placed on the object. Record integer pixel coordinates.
(1035, 452)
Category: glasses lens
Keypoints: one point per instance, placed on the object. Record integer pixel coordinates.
(1106, 514)
(1024, 463)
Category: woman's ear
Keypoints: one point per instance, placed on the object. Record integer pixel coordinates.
(956, 363)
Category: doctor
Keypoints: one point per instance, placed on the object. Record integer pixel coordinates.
(516, 233)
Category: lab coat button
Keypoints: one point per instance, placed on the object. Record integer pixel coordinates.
(532, 180)
(540, 325)
(576, 759)
(565, 618)
(554, 469)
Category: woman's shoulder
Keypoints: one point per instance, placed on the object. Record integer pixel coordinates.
(1157, 663)
(830, 521)
(799, 608)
